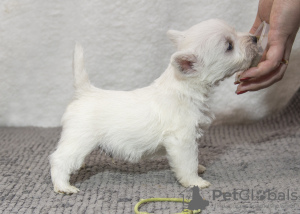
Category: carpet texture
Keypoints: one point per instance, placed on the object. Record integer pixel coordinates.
(259, 161)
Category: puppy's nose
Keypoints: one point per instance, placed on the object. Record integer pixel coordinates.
(254, 39)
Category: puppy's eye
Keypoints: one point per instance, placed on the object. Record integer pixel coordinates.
(230, 46)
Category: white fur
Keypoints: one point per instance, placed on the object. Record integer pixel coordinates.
(164, 118)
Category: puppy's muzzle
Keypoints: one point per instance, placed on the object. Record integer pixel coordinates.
(254, 39)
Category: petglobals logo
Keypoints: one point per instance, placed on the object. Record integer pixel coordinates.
(255, 195)
(197, 202)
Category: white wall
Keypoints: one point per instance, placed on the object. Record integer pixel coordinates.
(126, 47)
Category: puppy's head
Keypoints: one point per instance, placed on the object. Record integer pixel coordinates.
(211, 51)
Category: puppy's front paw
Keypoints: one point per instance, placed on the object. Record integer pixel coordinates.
(197, 181)
(201, 169)
(66, 190)
(203, 184)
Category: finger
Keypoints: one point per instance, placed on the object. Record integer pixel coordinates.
(255, 25)
(264, 82)
(237, 77)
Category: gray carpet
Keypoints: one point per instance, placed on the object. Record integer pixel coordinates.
(263, 157)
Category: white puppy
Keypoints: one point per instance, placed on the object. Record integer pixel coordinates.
(164, 118)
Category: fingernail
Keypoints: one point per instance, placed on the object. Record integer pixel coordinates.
(246, 78)
(240, 92)
(237, 82)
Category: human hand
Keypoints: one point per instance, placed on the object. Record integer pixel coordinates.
(284, 19)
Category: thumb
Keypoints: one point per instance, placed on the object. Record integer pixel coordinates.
(255, 25)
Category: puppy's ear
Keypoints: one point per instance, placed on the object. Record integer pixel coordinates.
(185, 62)
(175, 36)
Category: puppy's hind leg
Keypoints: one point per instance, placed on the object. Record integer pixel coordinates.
(201, 169)
(183, 159)
(68, 158)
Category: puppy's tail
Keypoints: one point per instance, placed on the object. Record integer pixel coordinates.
(81, 79)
